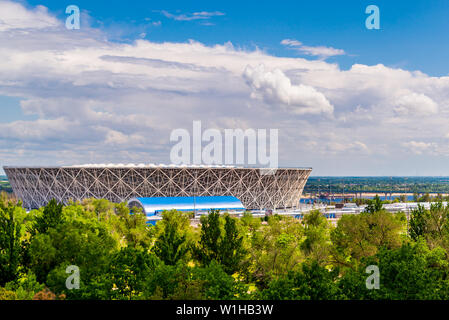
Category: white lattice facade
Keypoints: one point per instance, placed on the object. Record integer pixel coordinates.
(37, 186)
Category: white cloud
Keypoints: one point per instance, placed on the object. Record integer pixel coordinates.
(415, 104)
(114, 137)
(89, 96)
(419, 147)
(291, 42)
(39, 130)
(16, 16)
(276, 87)
(323, 52)
(202, 15)
(348, 147)
(319, 51)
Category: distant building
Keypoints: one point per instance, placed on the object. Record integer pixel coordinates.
(155, 205)
(152, 207)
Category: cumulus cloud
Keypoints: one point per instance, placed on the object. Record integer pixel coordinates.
(276, 87)
(16, 16)
(415, 104)
(355, 147)
(39, 130)
(419, 147)
(114, 137)
(319, 51)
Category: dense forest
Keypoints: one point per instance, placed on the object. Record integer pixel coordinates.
(120, 256)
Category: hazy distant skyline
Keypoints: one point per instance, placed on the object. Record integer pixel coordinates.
(347, 100)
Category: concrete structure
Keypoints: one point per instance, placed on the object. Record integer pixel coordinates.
(36, 186)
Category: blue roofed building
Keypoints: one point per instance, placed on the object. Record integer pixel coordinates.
(153, 206)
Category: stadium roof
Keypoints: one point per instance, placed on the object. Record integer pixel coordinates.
(160, 165)
(153, 205)
(144, 165)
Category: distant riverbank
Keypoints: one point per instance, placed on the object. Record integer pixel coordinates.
(370, 194)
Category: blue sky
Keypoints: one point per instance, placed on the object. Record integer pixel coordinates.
(136, 70)
(413, 34)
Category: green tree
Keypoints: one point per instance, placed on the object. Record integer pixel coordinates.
(221, 242)
(51, 217)
(412, 271)
(217, 284)
(417, 224)
(128, 270)
(10, 241)
(25, 286)
(316, 244)
(86, 244)
(7, 294)
(209, 245)
(361, 235)
(275, 249)
(232, 252)
(432, 225)
(312, 282)
(133, 226)
(171, 243)
(374, 205)
(164, 281)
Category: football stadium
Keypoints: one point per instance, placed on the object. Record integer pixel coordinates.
(254, 187)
